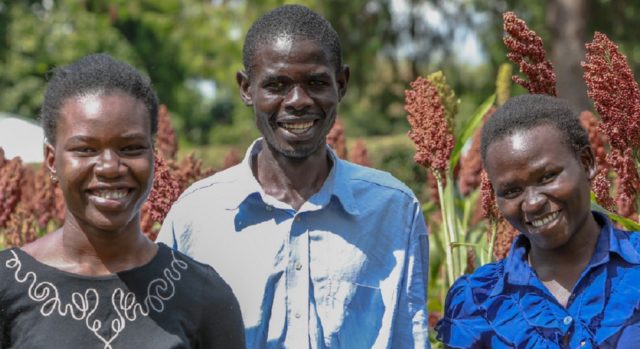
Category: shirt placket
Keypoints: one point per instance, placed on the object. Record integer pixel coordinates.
(298, 285)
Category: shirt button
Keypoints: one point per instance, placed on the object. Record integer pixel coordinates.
(583, 343)
(298, 266)
(298, 315)
(268, 208)
(298, 219)
(567, 320)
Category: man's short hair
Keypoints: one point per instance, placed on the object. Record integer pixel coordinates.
(296, 21)
(527, 111)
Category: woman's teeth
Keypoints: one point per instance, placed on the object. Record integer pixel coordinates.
(297, 127)
(111, 194)
(542, 221)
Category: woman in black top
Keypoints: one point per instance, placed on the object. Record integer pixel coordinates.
(99, 282)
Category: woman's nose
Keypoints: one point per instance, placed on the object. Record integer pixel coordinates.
(533, 200)
(108, 164)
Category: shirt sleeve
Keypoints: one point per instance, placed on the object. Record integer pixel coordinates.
(221, 320)
(167, 234)
(463, 325)
(411, 326)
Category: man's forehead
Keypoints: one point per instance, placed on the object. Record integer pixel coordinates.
(283, 42)
(286, 50)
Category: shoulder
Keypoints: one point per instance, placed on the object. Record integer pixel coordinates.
(374, 179)
(632, 236)
(212, 183)
(464, 323)
(470, 291)
(199, 273)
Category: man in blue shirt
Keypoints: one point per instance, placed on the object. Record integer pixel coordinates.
(321, 253)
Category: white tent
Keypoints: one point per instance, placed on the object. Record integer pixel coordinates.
(21, 137)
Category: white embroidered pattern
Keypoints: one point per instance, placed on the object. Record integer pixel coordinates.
(83, 306)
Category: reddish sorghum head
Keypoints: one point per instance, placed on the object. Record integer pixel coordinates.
(601, 184)
(471, 261)
(166, 140)
(337, 140)
(489, 206)
(431, 131)
(231, 158)
(45, 201)
(188, 171)
(164, 192)
(11, 176)
(359, 153)
(627, 181)
(614, 91)
(527, 51)
(21, 228)
(505, 234)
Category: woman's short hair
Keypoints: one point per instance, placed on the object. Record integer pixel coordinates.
(527, 111)
(96, 73)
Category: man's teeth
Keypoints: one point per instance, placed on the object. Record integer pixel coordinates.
(111, 194)
(297, 126)
(540, 222)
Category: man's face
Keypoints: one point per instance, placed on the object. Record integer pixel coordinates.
(294, 90)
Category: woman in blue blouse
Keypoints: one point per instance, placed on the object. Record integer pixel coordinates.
(571, 279)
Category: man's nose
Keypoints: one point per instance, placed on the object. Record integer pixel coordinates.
(297, 99)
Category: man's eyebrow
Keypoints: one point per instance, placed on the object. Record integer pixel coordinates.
(320, 75)
(272, 78)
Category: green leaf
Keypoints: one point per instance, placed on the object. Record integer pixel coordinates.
(627, 223)
(474, 122)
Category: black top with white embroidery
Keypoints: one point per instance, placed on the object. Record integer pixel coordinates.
(171, 302)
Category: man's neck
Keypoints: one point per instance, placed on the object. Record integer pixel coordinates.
(292, 181)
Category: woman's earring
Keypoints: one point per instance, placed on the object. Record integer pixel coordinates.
(53, 177)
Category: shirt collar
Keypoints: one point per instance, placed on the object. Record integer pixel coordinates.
(336, 185)
(610, 240)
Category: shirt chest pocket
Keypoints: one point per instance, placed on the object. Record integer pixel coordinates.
(346, 308)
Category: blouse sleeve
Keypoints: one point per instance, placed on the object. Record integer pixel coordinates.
(463, 325)
(221, 320)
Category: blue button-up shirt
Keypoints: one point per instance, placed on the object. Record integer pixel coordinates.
(347, 270)
(505, 305)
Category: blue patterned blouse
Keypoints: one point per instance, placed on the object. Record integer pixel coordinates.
(505, 305)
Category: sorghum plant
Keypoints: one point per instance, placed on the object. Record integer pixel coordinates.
(616, 96)
(164, 192)
(11, 176)
(431, 106)
(527, 51)
(359, 153)
(432, 133)
(337, 140)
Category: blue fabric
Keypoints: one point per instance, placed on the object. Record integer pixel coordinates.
(505, 305)
(347, 270)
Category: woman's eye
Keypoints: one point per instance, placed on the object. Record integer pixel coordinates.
(133, 149)
(508, 193)
(83, 150)
(548, 177)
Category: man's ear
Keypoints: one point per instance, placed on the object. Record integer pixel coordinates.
(244, 83)
(588, 161)
(343, 80)
(50, 158)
